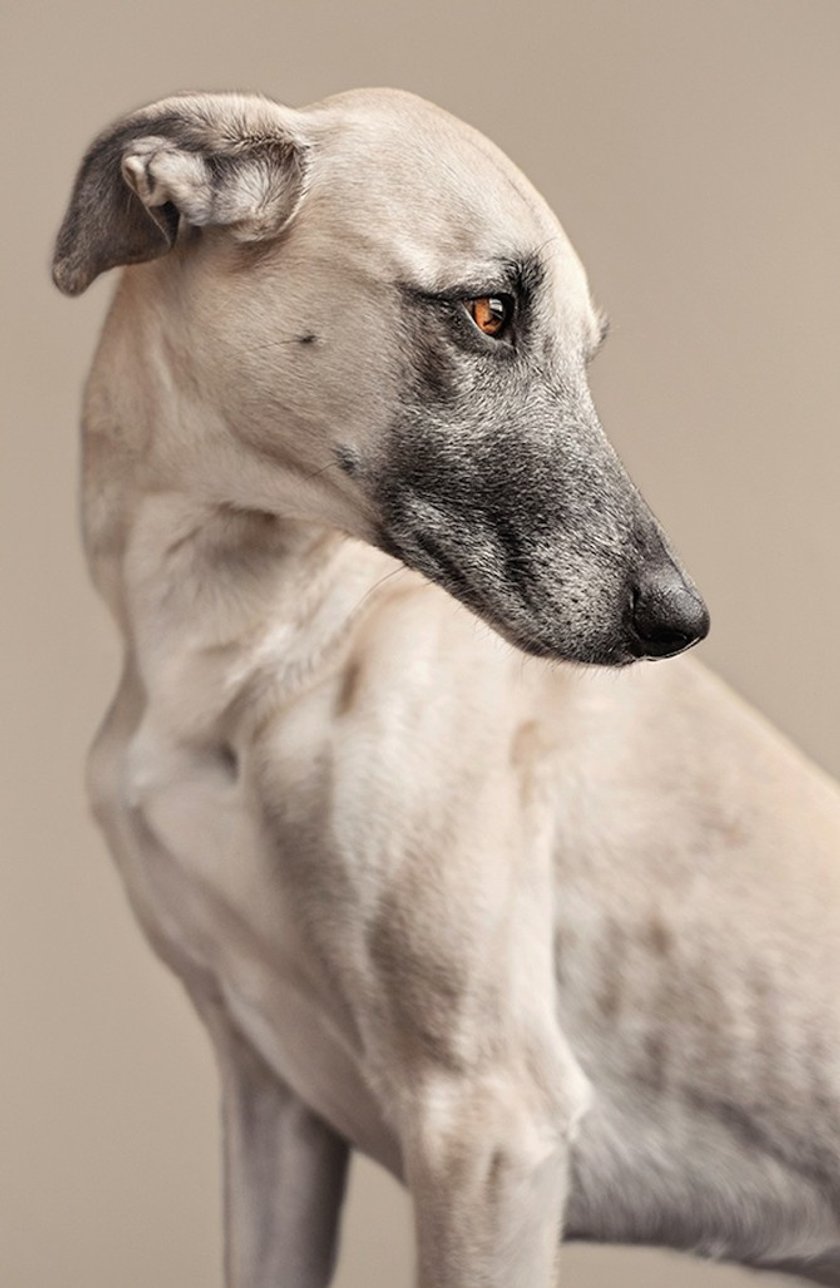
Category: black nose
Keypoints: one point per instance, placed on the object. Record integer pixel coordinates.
(667, 615)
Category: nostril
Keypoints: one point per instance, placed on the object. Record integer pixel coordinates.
(667, 617)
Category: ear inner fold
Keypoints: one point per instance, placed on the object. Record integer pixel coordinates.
(214, 160)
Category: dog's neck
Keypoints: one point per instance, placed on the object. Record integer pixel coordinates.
(183, 564)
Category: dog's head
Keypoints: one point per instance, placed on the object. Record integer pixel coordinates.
(381, 312)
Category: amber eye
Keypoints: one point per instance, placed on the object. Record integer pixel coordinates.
(490, 313)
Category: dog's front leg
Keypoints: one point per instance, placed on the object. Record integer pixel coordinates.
(284, 1173)
(487, 1166)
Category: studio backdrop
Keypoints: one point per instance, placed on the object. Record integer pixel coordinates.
(690, 149)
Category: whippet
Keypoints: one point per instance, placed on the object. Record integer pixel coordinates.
(557, 944)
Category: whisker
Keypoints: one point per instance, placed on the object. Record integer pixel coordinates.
(275, 342)
(316, 474)
(395, 572)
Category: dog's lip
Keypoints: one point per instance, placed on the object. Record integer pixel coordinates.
(538, 645)
(439, 568)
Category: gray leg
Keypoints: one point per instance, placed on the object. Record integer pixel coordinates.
(284, 1173)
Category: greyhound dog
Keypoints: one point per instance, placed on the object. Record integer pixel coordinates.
(552, 937)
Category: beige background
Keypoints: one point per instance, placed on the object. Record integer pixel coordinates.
(690, 148)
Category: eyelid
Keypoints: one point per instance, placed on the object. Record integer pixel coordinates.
(453, 300)
(458, 294)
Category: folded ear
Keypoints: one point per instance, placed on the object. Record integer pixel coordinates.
(211, 159)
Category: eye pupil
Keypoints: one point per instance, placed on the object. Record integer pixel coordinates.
(490, 313)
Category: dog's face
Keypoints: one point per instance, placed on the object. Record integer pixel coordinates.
(386, 312)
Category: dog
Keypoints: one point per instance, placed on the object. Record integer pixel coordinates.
(551, 936)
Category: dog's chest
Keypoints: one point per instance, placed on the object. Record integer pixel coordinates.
(222, 888)
(324, 860)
